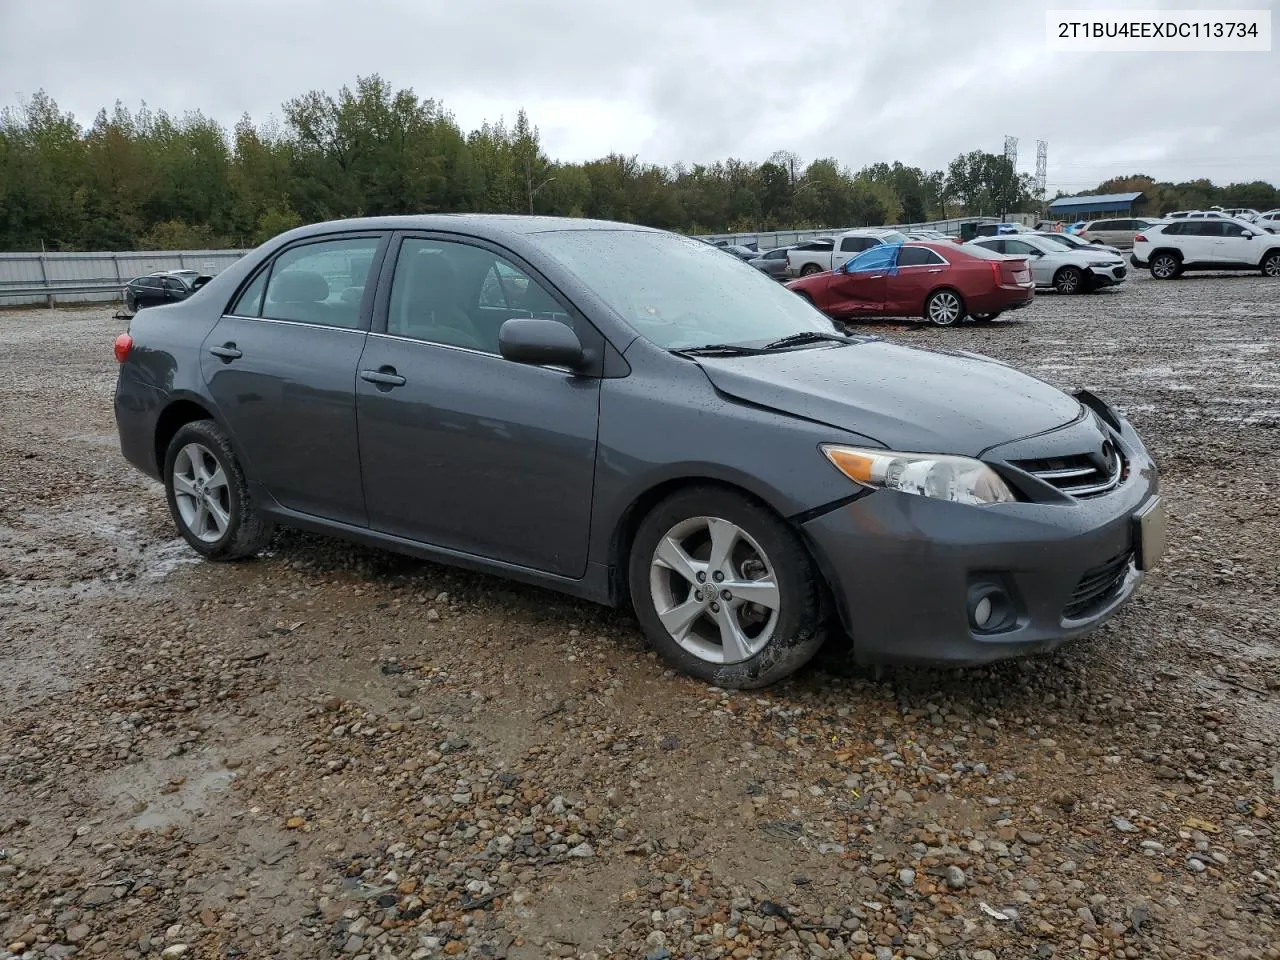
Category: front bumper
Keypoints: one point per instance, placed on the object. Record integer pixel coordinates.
(904, 568)
(1109, 276)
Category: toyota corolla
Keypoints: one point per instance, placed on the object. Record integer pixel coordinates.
(631, 417)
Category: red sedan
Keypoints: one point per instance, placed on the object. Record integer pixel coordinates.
(939, 282)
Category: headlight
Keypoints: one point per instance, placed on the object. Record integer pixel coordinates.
(959, 479)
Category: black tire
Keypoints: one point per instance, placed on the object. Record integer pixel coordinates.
(1165, 266)
(809, 269)
(246, 531)
(1271, 264)
(985, 317)
(800, 627)
(936, 313)
(1069, 280)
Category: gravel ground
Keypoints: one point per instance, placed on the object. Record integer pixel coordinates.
(332, 751)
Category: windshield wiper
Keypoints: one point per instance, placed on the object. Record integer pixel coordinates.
(714, 348)
(806, 336)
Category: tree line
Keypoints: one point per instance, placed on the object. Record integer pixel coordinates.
(148, 180)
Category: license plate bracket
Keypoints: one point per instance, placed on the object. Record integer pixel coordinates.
(1150, 533)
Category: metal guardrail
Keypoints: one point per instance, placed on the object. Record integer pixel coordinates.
(61, 278)
(110, 289)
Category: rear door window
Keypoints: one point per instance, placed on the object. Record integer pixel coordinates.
(321, 283)
(918, 257)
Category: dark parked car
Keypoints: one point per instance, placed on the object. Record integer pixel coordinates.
(772, 263)
(940, 282)
(163, 286)
(739, 251)
(629, 416)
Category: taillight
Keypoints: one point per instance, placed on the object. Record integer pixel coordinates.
(997, 272)
(124, 343)
(1139, 238)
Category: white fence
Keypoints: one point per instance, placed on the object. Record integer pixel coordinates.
(54, 278)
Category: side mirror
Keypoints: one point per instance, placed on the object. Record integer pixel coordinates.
(540, 342)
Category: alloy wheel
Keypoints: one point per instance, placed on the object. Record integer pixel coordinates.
(714, 590)
(1163, 267)
(1271, 266)
(202, 493)
(1068, 281)
(944, 309)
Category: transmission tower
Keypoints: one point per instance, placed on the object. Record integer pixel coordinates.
(1011, 151)
(1010, 154)
(1042, 169)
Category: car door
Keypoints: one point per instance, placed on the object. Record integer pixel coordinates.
(461, 448)
(281, 366)
(860, 286)
(850, 247)
(920, 271)
(1196, 239)
(1234, 244)
(173, 289)
(148, 292)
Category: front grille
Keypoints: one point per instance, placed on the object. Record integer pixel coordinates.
(1097, 586)
(1120, 272)
(1079, 475)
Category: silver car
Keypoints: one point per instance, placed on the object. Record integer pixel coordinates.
(772, 262)
(1054, 267)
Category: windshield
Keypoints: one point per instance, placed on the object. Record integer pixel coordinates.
(1059, 240)
(678, 293)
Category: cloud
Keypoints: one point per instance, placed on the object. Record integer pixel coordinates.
(682, 80)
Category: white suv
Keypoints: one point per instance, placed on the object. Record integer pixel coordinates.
(1211, 243)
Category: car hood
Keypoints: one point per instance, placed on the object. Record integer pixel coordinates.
(905, 398)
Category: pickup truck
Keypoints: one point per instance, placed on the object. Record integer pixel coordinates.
(828, 253)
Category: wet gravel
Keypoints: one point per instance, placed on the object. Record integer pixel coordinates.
(335, 752)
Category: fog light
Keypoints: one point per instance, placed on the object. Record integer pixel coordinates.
(990, 607)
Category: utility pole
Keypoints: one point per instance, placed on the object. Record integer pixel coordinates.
(1042, 172)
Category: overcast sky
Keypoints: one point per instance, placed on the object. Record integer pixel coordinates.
(685, 80)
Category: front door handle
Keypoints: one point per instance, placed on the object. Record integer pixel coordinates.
(384, 376)
(936, 270)
(227, 352)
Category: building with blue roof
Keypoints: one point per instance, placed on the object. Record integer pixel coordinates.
(1097, 206)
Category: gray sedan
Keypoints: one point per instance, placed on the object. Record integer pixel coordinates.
(632, 417)
(772, 263)
(1056, 267)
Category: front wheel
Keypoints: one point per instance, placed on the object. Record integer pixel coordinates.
(944, 308)
(1271, 264)
(724, 590)
(1069, 280)
(209, 497)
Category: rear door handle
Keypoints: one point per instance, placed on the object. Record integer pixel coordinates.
(936, 270)
(383, 377)
(227, 352)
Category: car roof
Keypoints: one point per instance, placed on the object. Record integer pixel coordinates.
(870, 232)
(491, 225)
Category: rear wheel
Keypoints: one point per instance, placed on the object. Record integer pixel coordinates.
(1271, 264)
(208, 495)
(944, 308)
(1165, 266)
(1069, 280)
(809, 269)
(724, 590)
